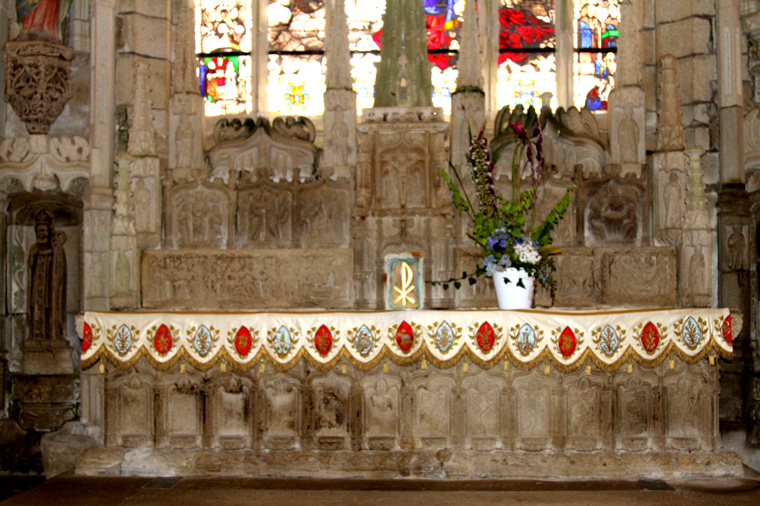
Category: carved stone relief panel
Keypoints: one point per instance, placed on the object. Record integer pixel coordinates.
(130, 407)
(646, 276)
(433, 404)
(484, 411)
(533, 406)
(690, 409)
(616, 210)
(578, 282)
(285, 148)
(265, 215)
(401, 178)
(325, 213)
(670, 189)
(587, 412)
(198, 215)
(230, 412)
(332, 409)
(180, 419)
(382, 412)
(282, 424)
(240, 279)
(635, 411)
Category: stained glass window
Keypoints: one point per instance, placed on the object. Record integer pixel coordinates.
(223, 44)
(296, 65)
(596, 33)
(526, 52)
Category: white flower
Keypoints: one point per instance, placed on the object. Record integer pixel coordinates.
(527, 253)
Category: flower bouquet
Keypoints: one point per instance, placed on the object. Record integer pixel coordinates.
(508, 231)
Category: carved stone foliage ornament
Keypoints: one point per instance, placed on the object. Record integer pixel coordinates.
(37, 81)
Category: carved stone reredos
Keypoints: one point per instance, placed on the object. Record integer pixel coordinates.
(280, 148)
(37, 81)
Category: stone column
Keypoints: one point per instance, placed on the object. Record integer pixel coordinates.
(98, 199)
(564, 57)
(735, 232)
(339, 156)
(468, 102)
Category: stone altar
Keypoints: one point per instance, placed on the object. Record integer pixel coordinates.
(348, 400)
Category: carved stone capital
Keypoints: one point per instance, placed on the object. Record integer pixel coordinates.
(37, 81)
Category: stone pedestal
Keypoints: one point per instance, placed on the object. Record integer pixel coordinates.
(48, 360)
(45, 403)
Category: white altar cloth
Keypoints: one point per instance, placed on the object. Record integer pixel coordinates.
(566, 340)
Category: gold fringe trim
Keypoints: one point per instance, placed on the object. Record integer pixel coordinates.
(421, 354)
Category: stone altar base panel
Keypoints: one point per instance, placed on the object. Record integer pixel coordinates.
(411, 422)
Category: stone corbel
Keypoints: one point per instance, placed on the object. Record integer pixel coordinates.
(37, 81)
(44, 163)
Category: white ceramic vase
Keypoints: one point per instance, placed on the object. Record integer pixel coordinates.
(514, 288)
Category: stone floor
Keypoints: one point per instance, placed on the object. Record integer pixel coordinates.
(71, 490)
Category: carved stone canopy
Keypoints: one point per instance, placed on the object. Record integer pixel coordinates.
(37, 81)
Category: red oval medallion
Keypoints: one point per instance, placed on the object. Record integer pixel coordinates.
(404, 336)
(727, 330)
(650, 337)
(567, 342)
(485, 337)
(323, 340)
(86, 337)
(243, 341)
(162, 340)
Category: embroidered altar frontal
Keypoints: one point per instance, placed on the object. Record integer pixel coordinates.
(566, 340)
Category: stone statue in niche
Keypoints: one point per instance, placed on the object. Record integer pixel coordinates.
(673, 200)
(47, 281)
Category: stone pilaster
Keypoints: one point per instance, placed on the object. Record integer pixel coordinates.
(670, 162)
(736, 235)
(98, 199)
(695, 263)
(125, 256)
(186, 103)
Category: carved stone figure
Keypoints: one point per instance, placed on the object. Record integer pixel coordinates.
(47, 281)
(673, 202)
(735, 249)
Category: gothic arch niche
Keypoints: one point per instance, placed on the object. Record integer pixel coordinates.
(63, 215)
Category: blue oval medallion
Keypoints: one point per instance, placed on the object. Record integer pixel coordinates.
(202, 341)
(122, 340)
(444, 337)
(282, 341)
(526, 339)
(691, 333)
(364, 341)
(609, 341)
